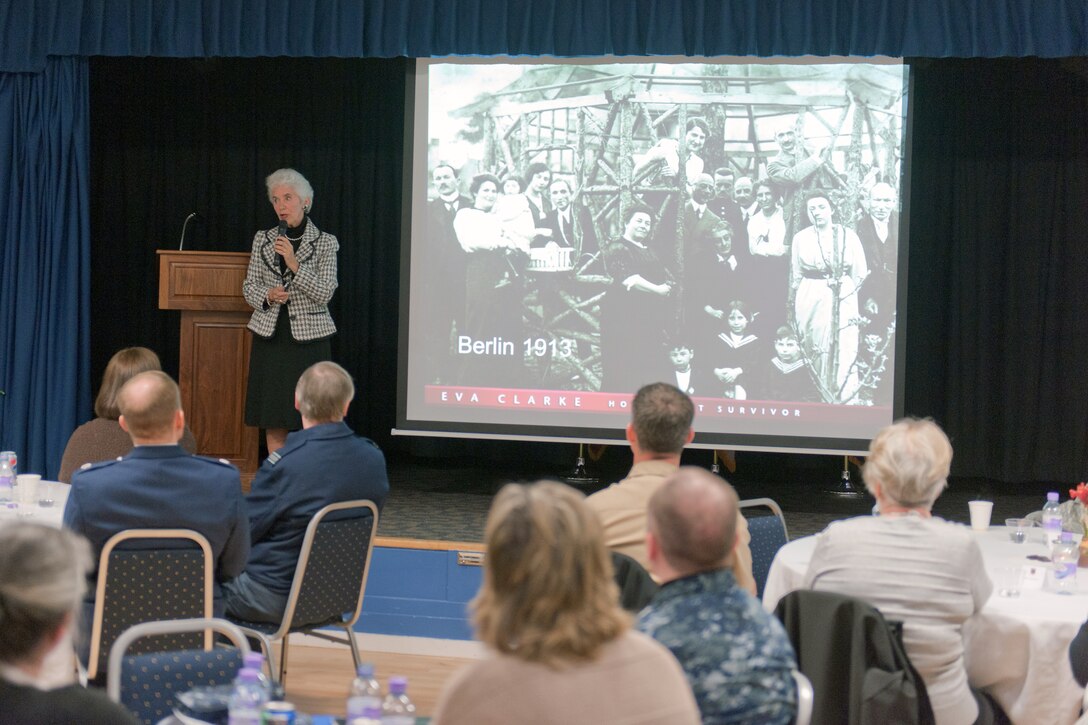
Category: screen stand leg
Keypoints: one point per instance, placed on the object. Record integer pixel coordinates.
(844, 487)
(579, 476)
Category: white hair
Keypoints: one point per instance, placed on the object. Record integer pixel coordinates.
(298, 182)
(42, 580)
(910, 461)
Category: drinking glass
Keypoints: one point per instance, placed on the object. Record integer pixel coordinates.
(47, 494)
(1008, 581)
(1018, 529)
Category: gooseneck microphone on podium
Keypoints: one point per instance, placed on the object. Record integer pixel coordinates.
(181, 244)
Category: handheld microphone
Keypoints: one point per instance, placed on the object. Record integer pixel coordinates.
(181, 244)
(281, 231)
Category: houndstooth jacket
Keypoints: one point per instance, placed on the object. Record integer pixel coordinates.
(310, 288)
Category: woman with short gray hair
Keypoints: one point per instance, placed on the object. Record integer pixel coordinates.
(914, 567)
(43, 575)
(289, 283)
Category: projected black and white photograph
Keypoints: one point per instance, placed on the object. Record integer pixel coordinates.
(732, 228)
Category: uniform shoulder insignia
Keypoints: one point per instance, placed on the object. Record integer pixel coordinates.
(101, 464)
(274, 457)
(216, 461)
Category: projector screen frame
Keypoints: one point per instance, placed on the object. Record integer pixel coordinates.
(613, 431)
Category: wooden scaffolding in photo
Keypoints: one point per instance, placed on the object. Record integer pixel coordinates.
(590, 124)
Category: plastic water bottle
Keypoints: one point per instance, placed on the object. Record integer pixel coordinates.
(255, 661)
(397, 708)
(365, 700)
(1052, 519)
(7, 480)
(1064, 557)
(247, 699)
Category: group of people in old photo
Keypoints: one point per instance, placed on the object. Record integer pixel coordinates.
(767, 277)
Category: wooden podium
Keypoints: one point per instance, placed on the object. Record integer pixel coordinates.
(207, 288)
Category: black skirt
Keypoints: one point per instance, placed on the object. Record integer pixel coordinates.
(275, 365)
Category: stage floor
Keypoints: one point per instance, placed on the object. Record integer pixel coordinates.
(448, 500)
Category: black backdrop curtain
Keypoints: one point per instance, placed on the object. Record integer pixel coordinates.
(996, 335)
(170, 137)
(995, 343)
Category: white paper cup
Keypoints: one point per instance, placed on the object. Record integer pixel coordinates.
(980, 514)
(26, 488)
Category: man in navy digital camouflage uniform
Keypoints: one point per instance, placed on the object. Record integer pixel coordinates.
(737, 657)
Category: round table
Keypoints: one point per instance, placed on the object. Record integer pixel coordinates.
(1017, 649)
(47, 515)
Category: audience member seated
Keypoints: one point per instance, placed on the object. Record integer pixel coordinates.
(737, 657)
(321, 464)
(660, 427)
(159, 485)
(560, 648)
(915, 568)
(42, 578)
(102, 439)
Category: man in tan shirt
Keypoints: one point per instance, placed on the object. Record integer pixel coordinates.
(660, 427)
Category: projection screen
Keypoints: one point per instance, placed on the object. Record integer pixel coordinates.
(575, 229)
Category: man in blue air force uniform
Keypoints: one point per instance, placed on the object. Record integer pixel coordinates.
(323, 463)
(159, 485)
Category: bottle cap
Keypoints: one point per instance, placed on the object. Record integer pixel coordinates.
(398, 684)
(1052, 496)
(1067, 537)
(365, 670)
(254, 661)
(248, 675)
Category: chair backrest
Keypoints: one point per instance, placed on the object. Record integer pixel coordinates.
(804, 698)
(636, 585)
(148, 685)
(769, 534)
(332, 568)
(854, 659)
(150, 584)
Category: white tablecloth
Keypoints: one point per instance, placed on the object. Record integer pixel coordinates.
(50, 515)
(1016, 649)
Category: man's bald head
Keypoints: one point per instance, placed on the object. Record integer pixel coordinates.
(150, 405)
(693, 517)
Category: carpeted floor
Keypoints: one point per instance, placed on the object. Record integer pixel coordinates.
(448, 499)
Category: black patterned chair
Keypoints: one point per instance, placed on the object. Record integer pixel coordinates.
(150, 575)
(769, 534)
(148, 685)
(329, 582)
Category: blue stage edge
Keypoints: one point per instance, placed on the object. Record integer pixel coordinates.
(421, 590)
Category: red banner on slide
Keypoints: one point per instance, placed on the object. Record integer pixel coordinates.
(589, 402)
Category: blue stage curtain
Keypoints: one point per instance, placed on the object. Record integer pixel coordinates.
(44, 261)
(32, 30)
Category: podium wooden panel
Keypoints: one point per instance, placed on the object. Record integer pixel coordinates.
(207, 288)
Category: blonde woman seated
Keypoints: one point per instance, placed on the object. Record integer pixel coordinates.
(102, 439)
(915, 568)
(42, 577)
(561, 649)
